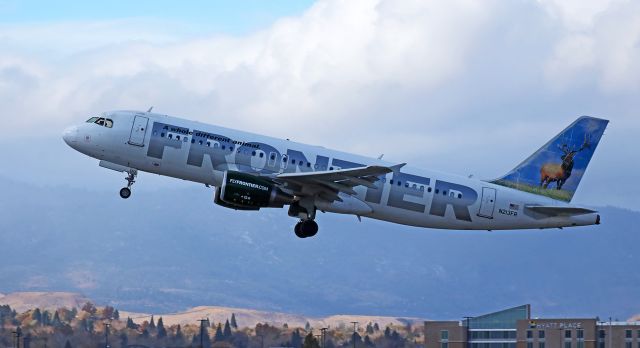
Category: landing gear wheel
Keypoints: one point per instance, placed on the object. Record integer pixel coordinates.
(306, 228)
(125, 192)
(298, 230)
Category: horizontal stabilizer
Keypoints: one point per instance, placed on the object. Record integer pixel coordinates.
(558, 211)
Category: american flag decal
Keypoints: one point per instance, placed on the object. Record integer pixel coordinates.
(513, 206)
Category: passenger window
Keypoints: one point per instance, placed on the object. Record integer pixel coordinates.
(253, 153)
(391, 181)
(308, 164)
(459, 195)
(444, 193)
(437, 191)
(406, 184)
(177, 137)
(193, 141)
(162, 135)
(223, 147)
(208, 144)
(428, 189)
(330, 168)
(200, 142)
(293, 161)
(273, 157)
(399, 183)
(230, 148)
(261, 155)
(170, 136)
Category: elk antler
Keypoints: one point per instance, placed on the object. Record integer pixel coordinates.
(587, 142)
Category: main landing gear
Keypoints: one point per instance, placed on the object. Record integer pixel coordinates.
(306, 228)
(125, 192)
(306, 211)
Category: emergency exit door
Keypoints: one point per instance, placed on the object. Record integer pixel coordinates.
(138, 130)
(488, 203)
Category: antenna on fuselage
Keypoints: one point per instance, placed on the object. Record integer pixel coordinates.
(380, 157)
(151, 108)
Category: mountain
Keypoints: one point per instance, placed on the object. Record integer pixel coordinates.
(165, 250)
(249, 318)
(23, 301)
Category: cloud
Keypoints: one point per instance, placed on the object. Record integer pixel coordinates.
(445, 85)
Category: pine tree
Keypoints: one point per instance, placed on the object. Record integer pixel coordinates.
(356, 337)
(376, 327)
(124, 340)
(310, 341)
(387, 332)
(219, 336)
(296, 339)
(307, 326)
(285, 326)
(56, 320)
(162, 332)
(131, 324)
(152, 324)
(116, 315)
(179, 335)
(37, 316)
(234, 324)
(46, 318)
(68, 344)
(369, 329)
(227, 330)
(367, 341)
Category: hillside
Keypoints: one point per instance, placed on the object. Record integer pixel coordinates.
(249, 318)
(23, 301)
(167, 250)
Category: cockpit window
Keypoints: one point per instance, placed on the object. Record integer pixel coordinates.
(105, 122)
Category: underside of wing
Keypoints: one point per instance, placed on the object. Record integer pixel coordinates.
(558, 211)
(329, 184)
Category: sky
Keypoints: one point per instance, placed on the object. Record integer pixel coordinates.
(462, 86)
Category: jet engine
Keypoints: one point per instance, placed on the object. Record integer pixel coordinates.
(242, 191)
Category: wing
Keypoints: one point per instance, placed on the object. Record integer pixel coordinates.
(328, 184)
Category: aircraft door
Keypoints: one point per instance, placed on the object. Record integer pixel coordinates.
(488, 203)
(138, 130)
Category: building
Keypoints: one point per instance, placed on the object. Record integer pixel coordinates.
(514, 328)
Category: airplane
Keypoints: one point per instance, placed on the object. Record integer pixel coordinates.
(250, 171)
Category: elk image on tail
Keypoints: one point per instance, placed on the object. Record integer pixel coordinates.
(560, 172)
(562, 160)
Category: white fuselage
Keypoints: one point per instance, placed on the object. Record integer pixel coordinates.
(172, 147)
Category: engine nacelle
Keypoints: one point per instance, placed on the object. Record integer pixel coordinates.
(242, 191)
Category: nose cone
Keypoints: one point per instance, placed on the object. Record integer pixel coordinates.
(70, 136)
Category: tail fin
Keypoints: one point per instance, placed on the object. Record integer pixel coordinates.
(556, 168)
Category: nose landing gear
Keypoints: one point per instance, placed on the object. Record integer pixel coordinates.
(125, 192)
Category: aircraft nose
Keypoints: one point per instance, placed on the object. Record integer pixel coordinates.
(70, 135)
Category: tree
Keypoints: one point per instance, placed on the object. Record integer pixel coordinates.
(310, 341)
(369, 328)
(89, 308)
(367, 341)
(68, 344)
(227, 330)
(376, 327)
(56, 320)
(131, 324)
(152, 324)
(387, 332)
(307, 326)
(46, 318)
(179, 335)
(124, 340)
(219, 336)
(107, 312)
(355, 337)
(116, 315)
(162, 332)
(234, 324)
(296, 339)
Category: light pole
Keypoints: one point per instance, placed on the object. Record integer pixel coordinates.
(355, 325)
(107, 324)
(202, 321)
(18, 333)
(324, 335)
